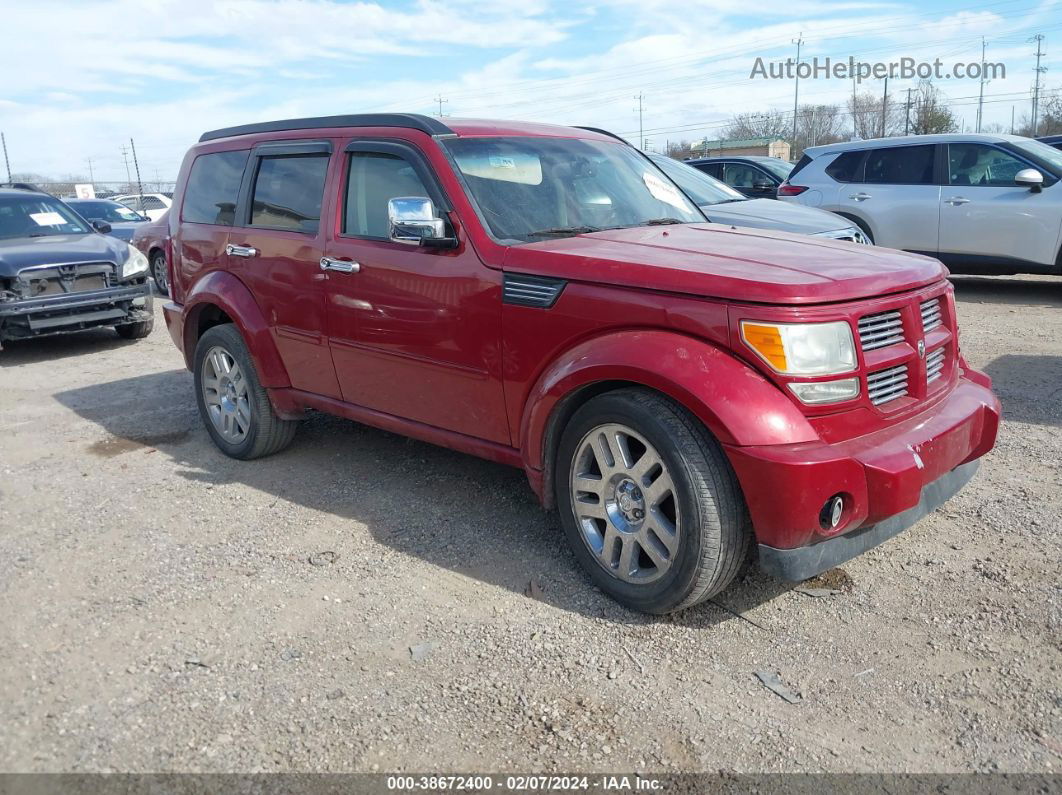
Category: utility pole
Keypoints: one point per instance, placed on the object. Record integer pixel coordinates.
(7, 163)
(440, 100)
(884, 104)
(1039, 39)
(798, 41)
(641, 125)
(855, 127)
(981, 94)
(91, 177)
(139, 184)
(125, 157)
(1012, 120)
(907, 114)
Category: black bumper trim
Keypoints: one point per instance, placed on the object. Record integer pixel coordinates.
(804, 562)
(59, 303)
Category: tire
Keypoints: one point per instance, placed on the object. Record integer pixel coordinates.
(663, 571)
(158, 272)
(135, 331)
(233, 404)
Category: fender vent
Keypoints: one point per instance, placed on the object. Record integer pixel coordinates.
(534, 291)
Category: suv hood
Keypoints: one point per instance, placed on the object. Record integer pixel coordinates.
(716, 261)
(771, 214)
(17, 253)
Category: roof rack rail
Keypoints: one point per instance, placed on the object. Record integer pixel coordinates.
(21, 186)
(412, 121)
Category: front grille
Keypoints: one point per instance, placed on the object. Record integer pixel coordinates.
(931, 314)
(45, 281)
(934, 365)
(886, 385)
(880, 330)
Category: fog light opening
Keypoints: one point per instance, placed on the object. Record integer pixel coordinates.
(832, 512)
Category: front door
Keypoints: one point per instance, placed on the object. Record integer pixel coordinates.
(898, 197)
(982, 211)
(276, 250)
(415, 332)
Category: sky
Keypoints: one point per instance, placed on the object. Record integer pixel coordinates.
(82, 77)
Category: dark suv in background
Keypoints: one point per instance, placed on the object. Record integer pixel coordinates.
(754, 176)
(59, 273)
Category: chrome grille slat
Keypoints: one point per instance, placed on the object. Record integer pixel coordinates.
(931, 315)
(888, 384)
(880, 330)
(935, 365)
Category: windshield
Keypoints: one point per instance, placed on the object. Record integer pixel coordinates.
(696, 184)
(530, 189)
(1042, 152)
(779, 168)
(37, 216)
(111, 212)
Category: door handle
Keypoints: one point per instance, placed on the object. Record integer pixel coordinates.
(859, 196)
(241, 251)
(957, 200)
(339, 265)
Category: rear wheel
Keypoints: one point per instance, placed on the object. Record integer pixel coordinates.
(649, 502)
(158, 272)
(234, 405)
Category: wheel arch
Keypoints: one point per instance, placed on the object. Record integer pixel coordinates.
(220, 297)
(735, 403)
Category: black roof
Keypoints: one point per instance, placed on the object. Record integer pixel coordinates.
(413, 121)
(23, 186)
(1050, 139)
(755, 158)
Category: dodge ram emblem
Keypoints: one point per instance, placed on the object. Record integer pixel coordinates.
(921, 349)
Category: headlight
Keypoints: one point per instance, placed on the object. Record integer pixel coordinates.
(804, 348)
(135, 263)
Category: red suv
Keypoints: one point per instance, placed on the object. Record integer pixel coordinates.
(547, 298)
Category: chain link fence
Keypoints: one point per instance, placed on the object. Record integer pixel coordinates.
(103, 190)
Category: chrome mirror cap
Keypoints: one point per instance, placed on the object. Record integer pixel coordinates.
(411, 219)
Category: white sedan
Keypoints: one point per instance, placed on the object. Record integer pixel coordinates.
(153, 205)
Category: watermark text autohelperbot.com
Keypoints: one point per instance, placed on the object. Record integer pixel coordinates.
(904, 69)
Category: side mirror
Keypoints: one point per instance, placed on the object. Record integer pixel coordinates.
(411, 220)
(102, 227)
(762, 186)
(1030, 178)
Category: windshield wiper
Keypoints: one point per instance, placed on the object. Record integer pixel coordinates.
(661, 222)
(564, 230)
(729, 201)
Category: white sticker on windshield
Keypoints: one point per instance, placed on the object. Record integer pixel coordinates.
(663, 191)
(48, 219)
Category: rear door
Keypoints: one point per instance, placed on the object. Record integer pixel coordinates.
(898, 198)
(984, 214)
(276, 248)
(750, 180)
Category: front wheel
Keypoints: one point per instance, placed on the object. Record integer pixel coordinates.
(649, 503)
(158, 272)
(234, 405)
(135, 331)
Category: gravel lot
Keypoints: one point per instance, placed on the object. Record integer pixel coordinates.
(361, 602)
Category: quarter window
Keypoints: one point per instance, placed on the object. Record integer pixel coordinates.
(977, 164)
(213, 185)
(901, 165)
(846, 168)
(288, 191)
(376, 178)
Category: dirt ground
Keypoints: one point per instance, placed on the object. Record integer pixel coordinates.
(359, 602)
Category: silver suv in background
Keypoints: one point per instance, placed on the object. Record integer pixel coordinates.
(980, 203)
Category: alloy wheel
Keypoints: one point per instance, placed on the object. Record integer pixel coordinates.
(625, 504)
(225, 395)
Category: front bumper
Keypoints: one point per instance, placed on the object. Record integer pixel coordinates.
(888, 480)
(59, 314)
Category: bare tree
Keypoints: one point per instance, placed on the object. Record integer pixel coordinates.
(929, 111)
(771, 124)
(874, 115)
(1049, 121)
(817, 124)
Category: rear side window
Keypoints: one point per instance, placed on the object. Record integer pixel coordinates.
(213, 186)
(901, 165)
(288, 191)
(376, 178)
(846, 167)
(711, 169)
